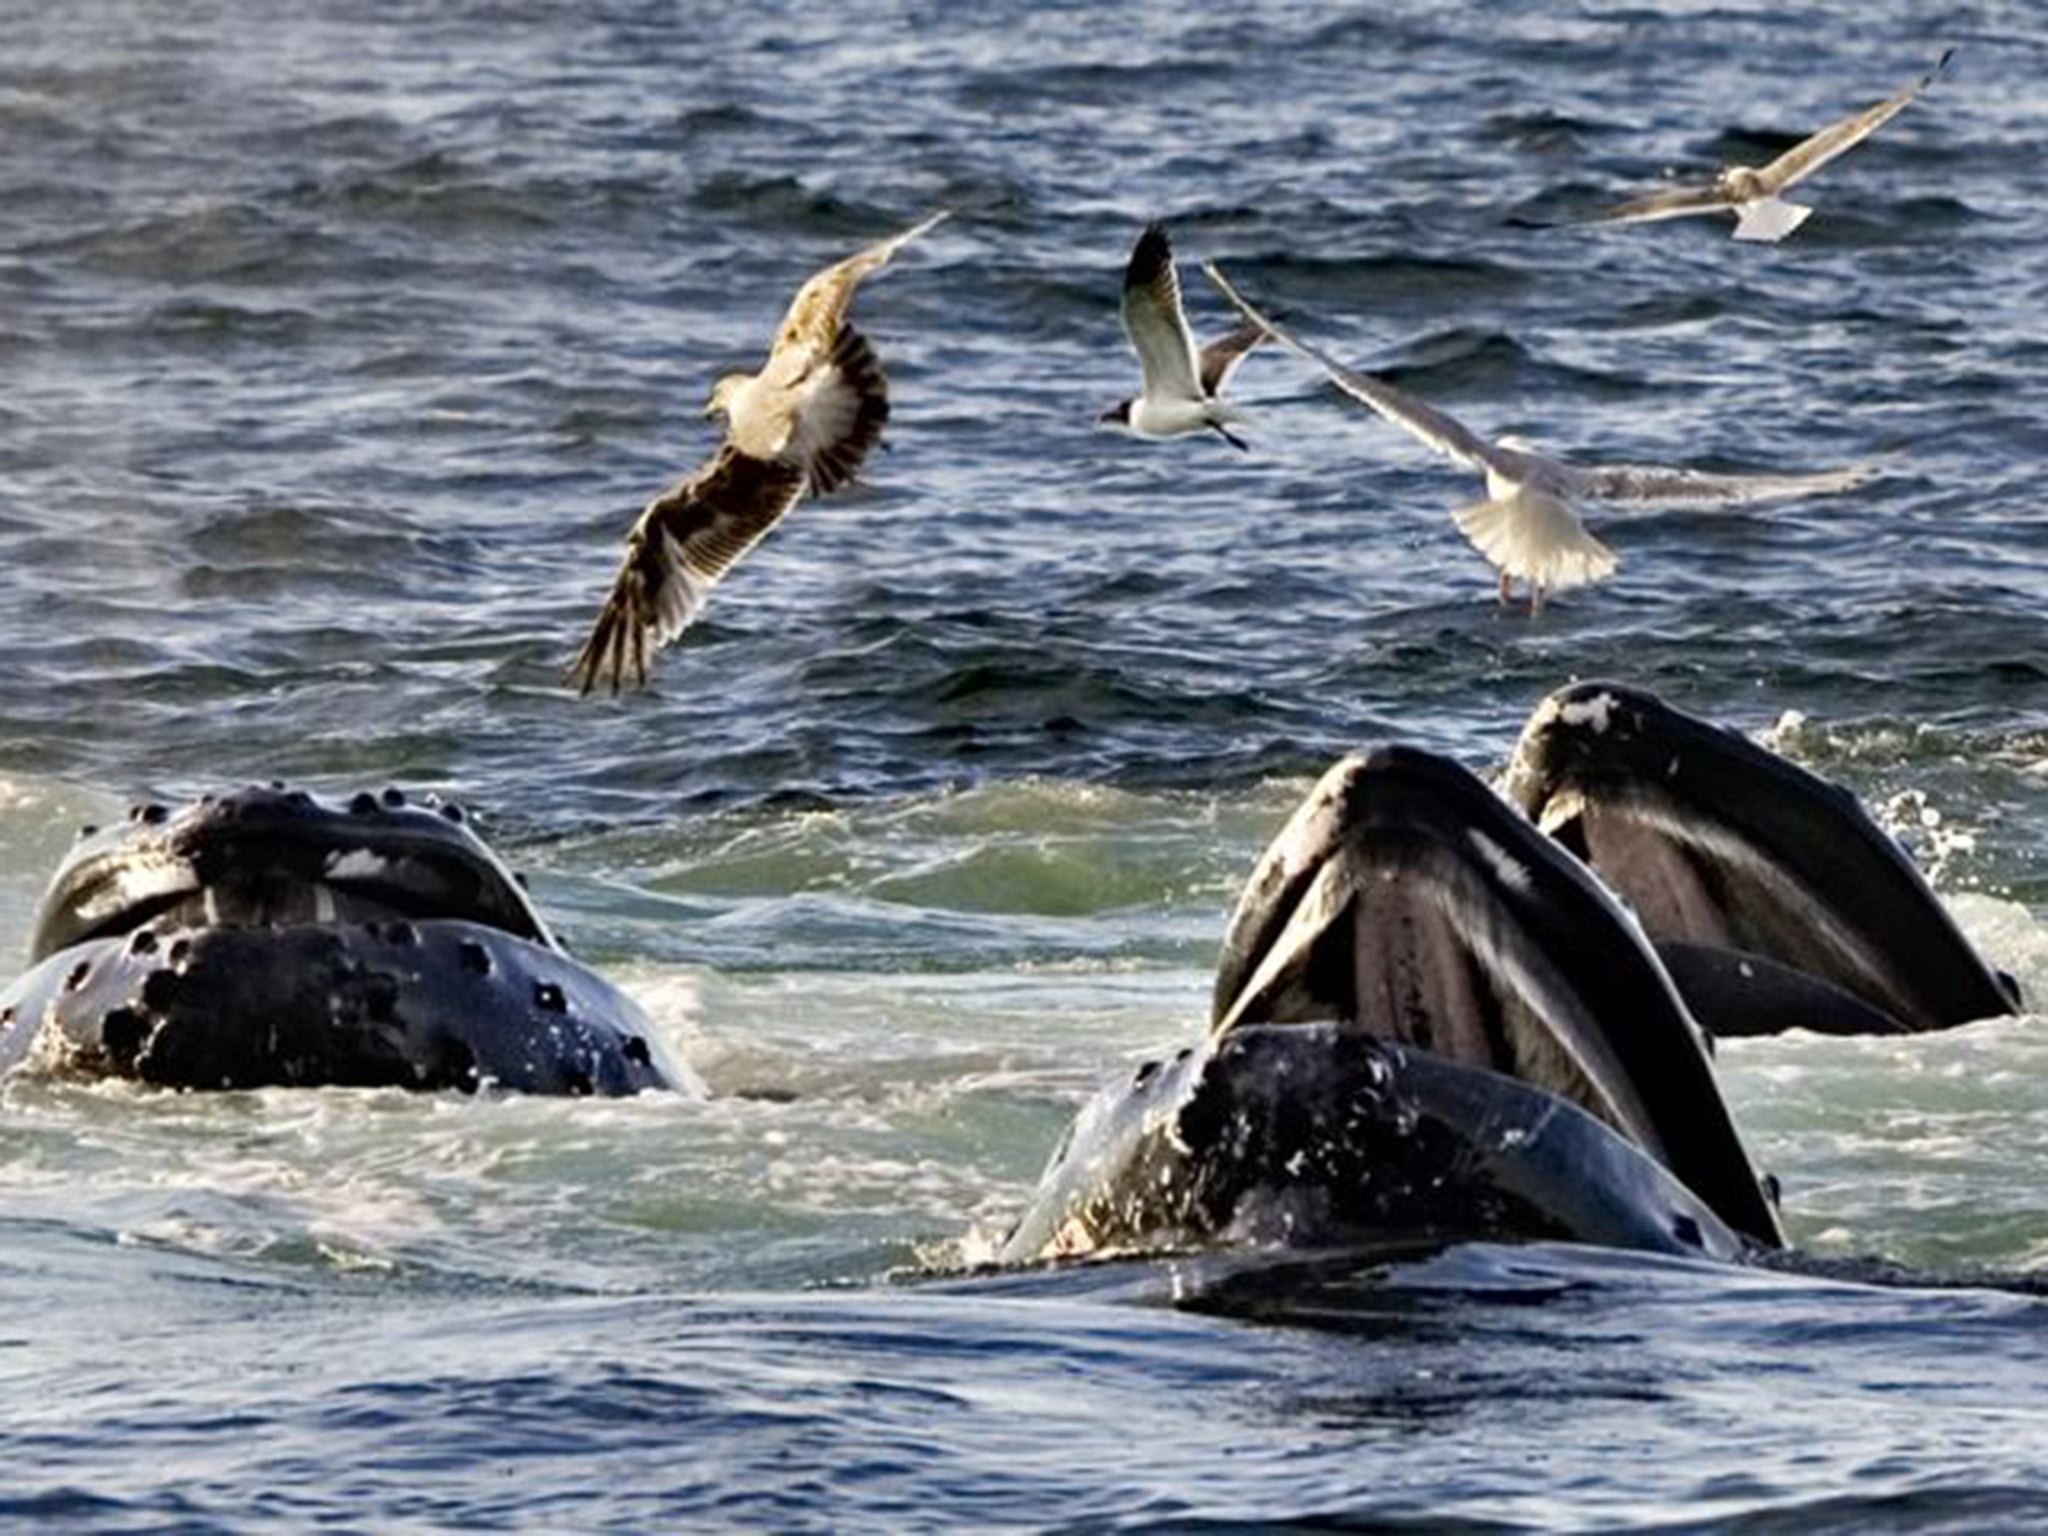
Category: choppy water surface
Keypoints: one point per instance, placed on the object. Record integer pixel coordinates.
(337, 351)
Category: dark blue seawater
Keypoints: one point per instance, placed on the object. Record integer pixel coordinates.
(339, 346)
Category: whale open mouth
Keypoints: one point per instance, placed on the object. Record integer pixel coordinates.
(1774, 898)
(272, 857)
(1431, 1023)
(1407, 899)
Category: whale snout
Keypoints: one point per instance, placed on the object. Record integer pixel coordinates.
(267, 855)
(268, 936)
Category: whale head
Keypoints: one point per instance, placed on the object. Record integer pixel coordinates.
(1723, 848)
(269, 937)
(1429, 1020)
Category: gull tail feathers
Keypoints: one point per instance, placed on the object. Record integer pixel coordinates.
(1536, 538)
(1770, 220)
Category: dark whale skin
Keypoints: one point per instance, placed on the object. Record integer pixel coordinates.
(1721, 845)
(1319, 1135)
(266, 938)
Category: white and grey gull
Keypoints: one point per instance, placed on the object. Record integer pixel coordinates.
(1528, 526)
(1183, 386)
(1754, 193)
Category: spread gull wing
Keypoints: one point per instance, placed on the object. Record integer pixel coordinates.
(688, 537)
(1220, 358)
(1155, 322)
(838, 413)
(1653, 483)
(1677, 203)
(1803, 159)
(812, 322)
(1446, 435)
(824, 416)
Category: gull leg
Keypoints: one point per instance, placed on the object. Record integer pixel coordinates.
(1506, 588)
(1535, 598)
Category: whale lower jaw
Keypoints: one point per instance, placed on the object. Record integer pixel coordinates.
(1715, 842)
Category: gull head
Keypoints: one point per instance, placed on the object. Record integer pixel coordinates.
(720, 401)
(1118, 416)
(1741, 183)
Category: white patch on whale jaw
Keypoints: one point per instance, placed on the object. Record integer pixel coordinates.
(1595, 713)
(1506, 868)
(143, 883)
(357, 864)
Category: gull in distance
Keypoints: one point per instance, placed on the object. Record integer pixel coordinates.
(1752, 193)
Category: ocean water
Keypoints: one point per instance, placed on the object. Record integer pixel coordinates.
(339, 346)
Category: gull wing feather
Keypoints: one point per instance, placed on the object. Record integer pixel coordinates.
(1808, 156)
(838, 413)
(1220, 358)
(686, 539)
(811, 324)
(1653, 483)
(1676, 203)
(826, 417)
(1155, 321)
(1425, 423)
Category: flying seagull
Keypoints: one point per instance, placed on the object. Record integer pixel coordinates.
(1527, 526)
(1183, 389)
(801, 426)
(1751, 193)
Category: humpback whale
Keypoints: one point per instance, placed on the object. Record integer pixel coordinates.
(1437, 1018)
(268, 938)
(1769, 892)
(1428, 1019)
(1442, 1011)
